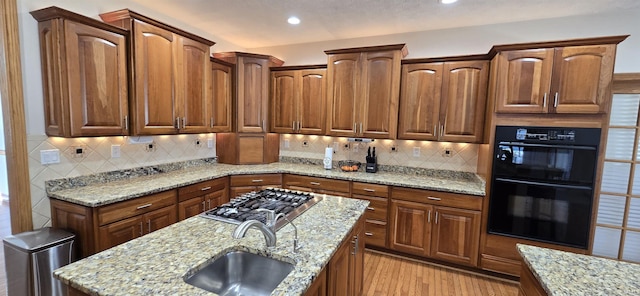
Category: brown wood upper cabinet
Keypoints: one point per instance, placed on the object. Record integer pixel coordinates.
(84, 74)
(363, 91)
(298, 100)
(560, 77)
(170, 76)
(443, 100)
(222, 90)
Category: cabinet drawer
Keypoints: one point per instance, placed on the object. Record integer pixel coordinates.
(438, 198)
(376, 233)
(377, 209)
(137, 206)
(316, 183)
(202, 188)
(256, 180)
(370, 189)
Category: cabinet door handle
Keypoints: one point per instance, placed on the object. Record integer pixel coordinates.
(126, 122)
(263, 125)
(144, 206)
(544, 101)
(368, 234)
(205, 188)
(149, 226)
(369, 190)
(361, 130)
(177, 123)
(355, 245)
(141, 229)
(203, 208)
(211, 122)
(314, 183)
(555, 100)
(435, 130)
(355, 128)
(429, 216)
(436, 217)
(441, 130)
(184, 122)
(371, 209)
(434, 198)
(209, 204)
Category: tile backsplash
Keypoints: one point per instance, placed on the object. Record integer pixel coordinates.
(432, 155)
(96, 158)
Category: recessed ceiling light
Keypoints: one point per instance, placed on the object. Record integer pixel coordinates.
(447, 1)
(294, 20)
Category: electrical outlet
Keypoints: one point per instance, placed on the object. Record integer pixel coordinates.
(150, 147)
(115, 151)
(305, 143)
(447, 152)
(78, 152)
(346, 146)
(198, 143)
(416, 151)
(336, 146)
(394, 149)
(286, 143)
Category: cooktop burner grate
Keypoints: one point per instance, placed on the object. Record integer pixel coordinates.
(243, 208)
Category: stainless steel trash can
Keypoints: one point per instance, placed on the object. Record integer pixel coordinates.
(31, 257)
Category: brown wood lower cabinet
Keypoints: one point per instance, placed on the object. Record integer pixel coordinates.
(346, 268)
(422, 225)
(99, 228)
(317, 185)
(197, 198)
(529, 286)
(319, 285)
(241, 184)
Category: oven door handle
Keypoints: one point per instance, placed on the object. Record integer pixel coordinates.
(548, 146)
(544, 184)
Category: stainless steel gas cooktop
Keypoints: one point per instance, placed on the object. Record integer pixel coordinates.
(242, 208)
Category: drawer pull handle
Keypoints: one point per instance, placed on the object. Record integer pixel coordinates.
(434, 198)
(368, 234)
(205, 188)
(144, 206)
(314, 183)
(371, 209)
(256, 180)
(203, 207)
(369, 190)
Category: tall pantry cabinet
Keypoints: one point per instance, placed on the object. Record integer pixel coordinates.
(170, 76)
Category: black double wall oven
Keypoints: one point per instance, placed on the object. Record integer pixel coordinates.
(542, 183)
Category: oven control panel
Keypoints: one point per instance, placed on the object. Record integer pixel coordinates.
(546, 134)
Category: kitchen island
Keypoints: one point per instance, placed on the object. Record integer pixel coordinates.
(156, 264)
(553, 272)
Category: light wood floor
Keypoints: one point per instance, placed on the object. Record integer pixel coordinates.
(390, 275)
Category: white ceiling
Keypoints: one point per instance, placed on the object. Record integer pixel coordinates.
(263, 23)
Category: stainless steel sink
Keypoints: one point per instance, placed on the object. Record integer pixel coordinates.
(241, 273)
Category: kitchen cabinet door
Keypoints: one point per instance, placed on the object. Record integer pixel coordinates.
(215, 199)
(159, 219)
(221, 84)
(312, 100)
(420, 101)
(84, 75)
(338, 271)
(155, 111)
(378, 110)
(120, 232)
(285, 101)
(356, 266)
(456, 235)
(410, 227)
(193, 99)
(582, 78)
(343, 95)
(464, 97)
(252, 94)
(190, 208)
(524, 80)
(319, 285)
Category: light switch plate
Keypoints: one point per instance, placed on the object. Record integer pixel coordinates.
(416, 151)
(286, 144)
(210, 143)
(49, 156)
(115, 151)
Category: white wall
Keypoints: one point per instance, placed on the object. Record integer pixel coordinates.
(478, 40)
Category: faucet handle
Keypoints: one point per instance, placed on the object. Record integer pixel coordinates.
(271, 216)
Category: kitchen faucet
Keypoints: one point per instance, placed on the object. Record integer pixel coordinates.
(268, 229)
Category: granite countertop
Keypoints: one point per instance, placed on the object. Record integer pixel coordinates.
(98, 194)
(155, 264)
(564, 273)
